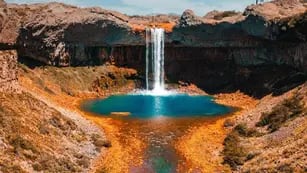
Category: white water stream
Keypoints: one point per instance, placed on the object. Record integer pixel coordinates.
(155, 55)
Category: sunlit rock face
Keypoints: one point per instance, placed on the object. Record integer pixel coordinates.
(8, 71)
(55, 33)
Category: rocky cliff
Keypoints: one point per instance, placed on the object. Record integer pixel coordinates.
(266, 42)
(257, 32)
(54, 33)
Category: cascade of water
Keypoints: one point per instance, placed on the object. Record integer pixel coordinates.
(147, 57)
(155, 47)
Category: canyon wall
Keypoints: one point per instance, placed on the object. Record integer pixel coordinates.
(254, 70)
(256, 51)
(8, 71)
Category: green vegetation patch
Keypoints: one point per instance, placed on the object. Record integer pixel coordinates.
(234, 153)
(288, 109)
(20, 143)
(244, 131)
(10, 167)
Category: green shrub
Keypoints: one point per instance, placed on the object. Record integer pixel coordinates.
(234, 153)
(11, 168)
(19, 143)
(288, 109)
(244, 131)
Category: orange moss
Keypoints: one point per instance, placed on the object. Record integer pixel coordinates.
(168, 26)
(201, 146)
(126, 150)
(121, 155)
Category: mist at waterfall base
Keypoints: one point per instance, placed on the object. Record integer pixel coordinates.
(155, 101)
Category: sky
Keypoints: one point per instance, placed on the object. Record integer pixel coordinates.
(143, 7)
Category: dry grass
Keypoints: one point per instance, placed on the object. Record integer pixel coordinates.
(254, 149)
(244, 131)
(20, 143)
(234, 153)
(73, 81)
(287, 110)
(84, 83)
(40, 136)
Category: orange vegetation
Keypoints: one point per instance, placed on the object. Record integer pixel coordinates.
(198, 147)
(122, 154)
(117, 158)
(168, 26)
(201, 147)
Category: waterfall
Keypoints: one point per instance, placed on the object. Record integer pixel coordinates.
(155, 54)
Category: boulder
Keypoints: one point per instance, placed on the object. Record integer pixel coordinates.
(188, 18)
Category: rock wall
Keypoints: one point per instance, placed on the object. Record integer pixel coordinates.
(254, 70)
(219, 51)
(63, 35)
(8, 71)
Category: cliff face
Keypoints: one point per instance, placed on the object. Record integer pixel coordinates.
(257, 51)
(8, 71)
(56, 33)
(225, 48)
(258, 28)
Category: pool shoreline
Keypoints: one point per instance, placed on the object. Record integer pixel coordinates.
(212, 125)
(92, 105)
